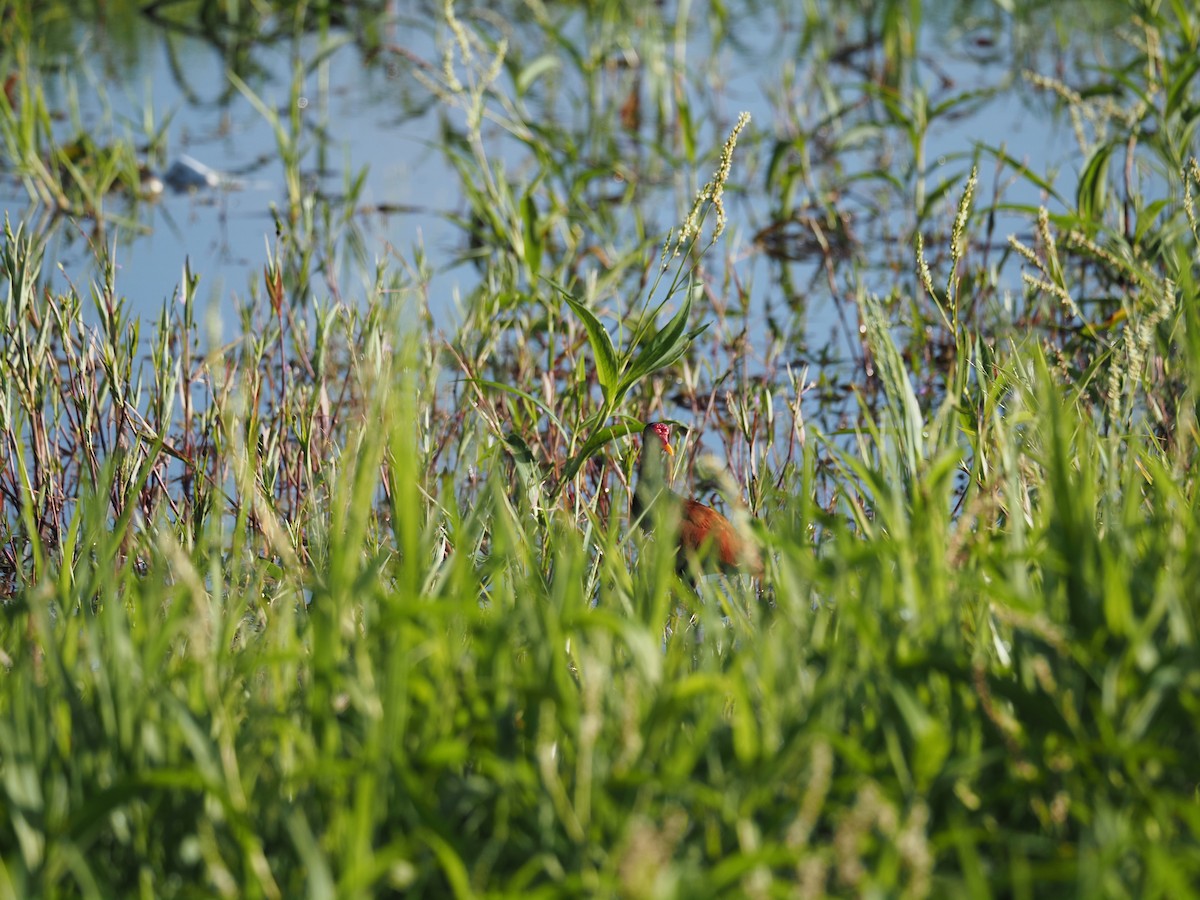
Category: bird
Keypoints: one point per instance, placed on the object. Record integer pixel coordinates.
(704, 533)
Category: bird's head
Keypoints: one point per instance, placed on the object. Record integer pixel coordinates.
(662, 431)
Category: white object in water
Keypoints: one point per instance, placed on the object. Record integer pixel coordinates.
(188, 174)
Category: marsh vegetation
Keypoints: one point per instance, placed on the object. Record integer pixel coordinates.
(325, 583)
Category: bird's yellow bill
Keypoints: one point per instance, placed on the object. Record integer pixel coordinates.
(667, 446)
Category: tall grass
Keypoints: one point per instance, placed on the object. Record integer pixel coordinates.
(382, 689)
(339, 608)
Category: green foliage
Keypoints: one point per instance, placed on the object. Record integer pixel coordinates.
(428, 699)
(617, 376)
(337, 608)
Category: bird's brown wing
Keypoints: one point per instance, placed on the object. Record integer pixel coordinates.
(705, 532)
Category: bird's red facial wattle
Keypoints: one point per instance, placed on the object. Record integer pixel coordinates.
(662, 431)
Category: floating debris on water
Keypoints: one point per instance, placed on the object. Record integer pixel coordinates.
(188, 174)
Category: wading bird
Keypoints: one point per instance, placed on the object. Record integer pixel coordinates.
(703, 532)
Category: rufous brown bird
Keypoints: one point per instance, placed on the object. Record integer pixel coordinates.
(703, 532)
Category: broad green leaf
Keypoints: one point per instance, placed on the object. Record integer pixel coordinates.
(602, 348)
(687, 130)
(533, 239)
(1179, 90)
(597, 440)
(664, 348)
(1092, 192)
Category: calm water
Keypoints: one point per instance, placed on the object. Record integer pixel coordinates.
(369, 115)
